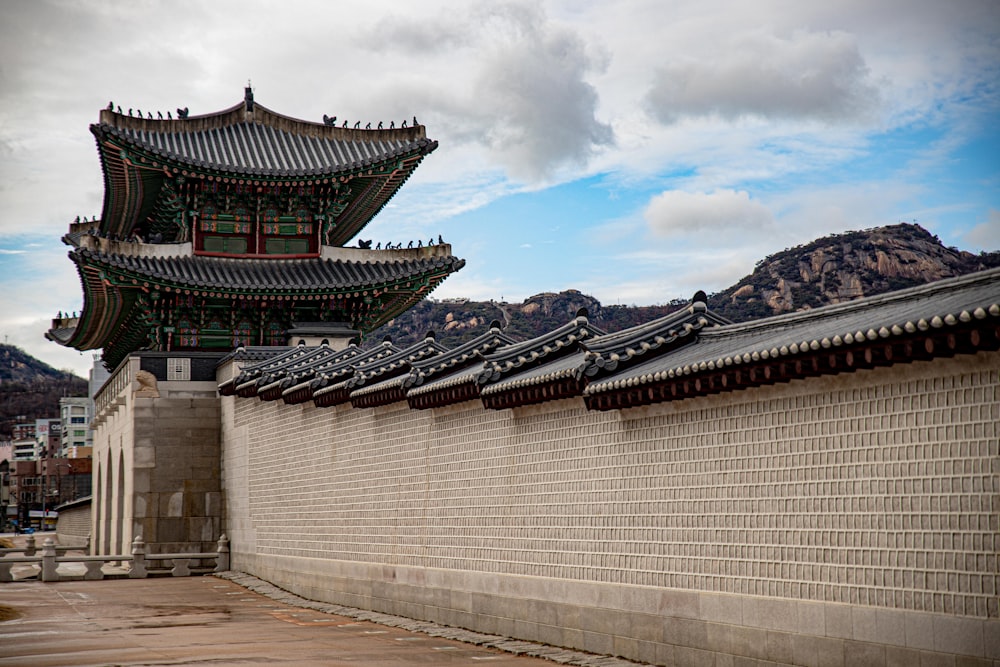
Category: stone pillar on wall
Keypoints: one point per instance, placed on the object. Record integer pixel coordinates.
(157, 447)
(177, 504)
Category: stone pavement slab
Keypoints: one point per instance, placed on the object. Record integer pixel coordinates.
(218, 622)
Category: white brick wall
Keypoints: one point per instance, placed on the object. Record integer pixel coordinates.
(878, 489)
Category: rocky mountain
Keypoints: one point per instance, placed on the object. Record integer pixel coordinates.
(455, 321)
(843, 267)
(31, 389)
(828, 270)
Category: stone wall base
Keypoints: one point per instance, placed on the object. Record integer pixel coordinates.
(654, 625)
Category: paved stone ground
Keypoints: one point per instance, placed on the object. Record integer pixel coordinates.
(514, 646)
(234, 619)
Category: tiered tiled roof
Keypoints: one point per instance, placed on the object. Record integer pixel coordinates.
(246, 383)
(607, 353)
(297, 380)
(260, 145)
(329, 386)
(274, 381)
(219, 230)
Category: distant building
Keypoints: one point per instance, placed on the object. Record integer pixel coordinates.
(77, 438)
(23, 429)
(37, 487)
(7, 509)
(48, 437)
(96, 378)
(24, 449)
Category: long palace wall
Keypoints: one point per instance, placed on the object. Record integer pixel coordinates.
(847, 519)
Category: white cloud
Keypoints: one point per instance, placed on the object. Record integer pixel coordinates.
(985, 235)
(806, 76)
(517, 85)
(679, 213)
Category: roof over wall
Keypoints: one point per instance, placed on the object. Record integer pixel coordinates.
(688, 353)
(944, 318)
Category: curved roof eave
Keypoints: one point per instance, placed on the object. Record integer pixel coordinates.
(263, 143)
(280, 275)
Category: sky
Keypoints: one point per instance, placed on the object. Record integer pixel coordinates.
(636, 150)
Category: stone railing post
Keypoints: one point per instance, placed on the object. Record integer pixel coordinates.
(29, 546)
(49, 565)
(182, 567)
(138, 570)
(222, 560)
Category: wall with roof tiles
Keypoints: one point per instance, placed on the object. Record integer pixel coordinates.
(825, 521)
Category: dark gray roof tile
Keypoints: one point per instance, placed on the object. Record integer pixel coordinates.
(468, 354)
(271, 274)
(251, 148)
(540, 350)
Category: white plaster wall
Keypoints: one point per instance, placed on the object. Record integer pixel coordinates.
(824, 521)
(112, 528)
(235, 464)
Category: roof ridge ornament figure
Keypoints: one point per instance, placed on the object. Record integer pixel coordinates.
(181, 113)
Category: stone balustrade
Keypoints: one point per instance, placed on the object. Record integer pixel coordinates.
(134, 566)
(112, 392)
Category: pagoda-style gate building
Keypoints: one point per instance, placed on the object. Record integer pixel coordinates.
(228, 229)
(219, 232)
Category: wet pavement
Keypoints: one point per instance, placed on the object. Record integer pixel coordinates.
(229, 619)
(205, 620)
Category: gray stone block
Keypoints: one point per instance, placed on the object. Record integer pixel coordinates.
(780, 647)
(864, 654)
(830, 652)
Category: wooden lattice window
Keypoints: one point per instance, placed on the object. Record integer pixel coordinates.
(231, 245)
(287, 246)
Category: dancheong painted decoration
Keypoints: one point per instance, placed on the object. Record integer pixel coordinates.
(228, 229)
